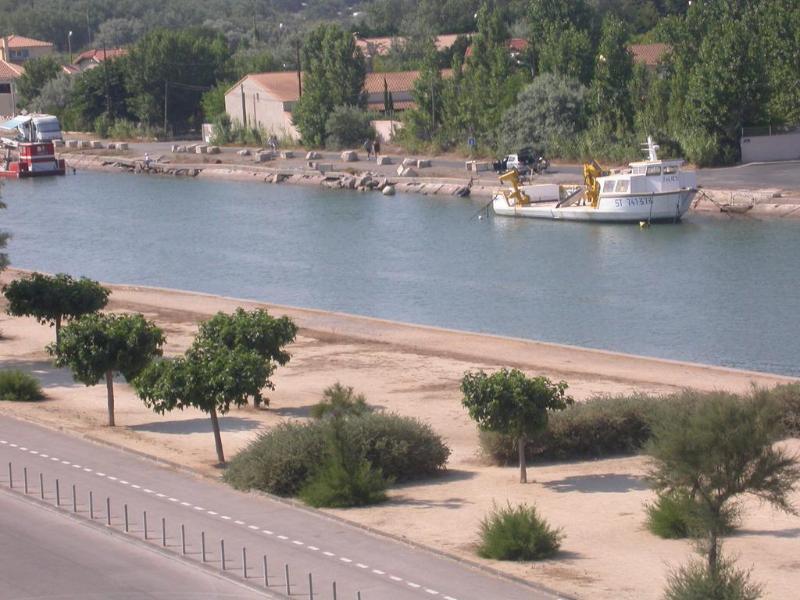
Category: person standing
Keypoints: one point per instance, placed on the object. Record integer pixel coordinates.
(368, 148)
(376, 147)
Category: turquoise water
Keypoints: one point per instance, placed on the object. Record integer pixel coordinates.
(714, 290)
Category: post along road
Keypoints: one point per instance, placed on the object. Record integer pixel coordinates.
(306, 541)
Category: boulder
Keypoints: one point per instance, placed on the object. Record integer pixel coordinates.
(244, 152)
(388, 190)
(407, 172)
(384, 160)
(349, 156)
(423, 163)
(312, 155)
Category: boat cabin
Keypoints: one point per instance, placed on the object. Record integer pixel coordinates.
(652, 176)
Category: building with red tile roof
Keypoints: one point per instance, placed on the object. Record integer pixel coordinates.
(649, 55)
(17, 49)
(93, 57)
(9, 73)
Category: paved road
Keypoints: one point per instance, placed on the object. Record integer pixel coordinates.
(46, 555)
(379, 568)
(783, 175)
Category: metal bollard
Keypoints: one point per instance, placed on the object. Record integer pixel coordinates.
(266, 578)
(222, 553)
(183, 539)
(144, 520)
(288, 586)
(74, 499)
(244, 562)
(334, 590)
(41, 486)
(310, 587)
(10, 477)
(25, 478)
(203, 546)
(125, 507)
(91, 506)
(108, 511)
(163, 531)
(358, 595)
(58, 494)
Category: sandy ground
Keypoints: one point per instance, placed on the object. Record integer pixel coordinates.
(416, 371)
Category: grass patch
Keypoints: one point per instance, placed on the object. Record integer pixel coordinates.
(282, 460)
(623, 424)
(19, 386)
(517, 533)
(694, 582)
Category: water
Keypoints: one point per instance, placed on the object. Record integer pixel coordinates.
(713, 290)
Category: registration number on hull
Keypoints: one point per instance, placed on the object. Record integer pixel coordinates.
(630, 202)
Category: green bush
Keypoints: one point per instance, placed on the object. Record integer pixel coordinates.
(348, 127)
(340, 401)
(18, 386)
(673, 516)
(517, 533)
(611, 425)
(281, 460)
(346, 478)
(695, 582)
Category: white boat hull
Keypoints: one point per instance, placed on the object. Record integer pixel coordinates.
(632, 208)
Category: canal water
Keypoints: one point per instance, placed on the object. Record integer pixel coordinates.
(716, 290)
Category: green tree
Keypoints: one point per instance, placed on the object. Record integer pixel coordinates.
(348, 127)
(340, 401)
(180, 63)
(567, 51)
(717, 451)
(100, 92)
(255, 331)
(552, 107)
(610, 88)
(423, 120)
(4, 237)
(334, 72)
(52, 298)
(210, 380)
(95, 347)
(780, 31)
(511, 403)
(38, 71)
(547, 19)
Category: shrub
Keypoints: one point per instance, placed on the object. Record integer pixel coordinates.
(340, 401)
(695, 582)
(346, 478)
(281, 460)
(348, 127)
(673, 516)
(517, 533)
(122, 129)
(18, 386)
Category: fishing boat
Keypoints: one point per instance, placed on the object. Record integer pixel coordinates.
(28, 147)
(648, 191)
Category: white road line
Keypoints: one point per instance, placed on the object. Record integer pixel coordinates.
(99, 474)
(198, 508)
(413, 585)
(378, 572)
(160, 495)
(212, 513)
(13, 445)
(431, 592)
(343, 559)
(267, 531)
(254, 527)
(123, 482)
(362, 566)
(449, 598)
(395, 578)
(65, 462)
(314, 548)
(298, 543)
(186, 503)
(282, 537)
(75, 466)
(173, 499)
(23, 448)
(226, 517)
(239, 522)
(329, 554)
(3, 442)
(112, 478)
(147, 491)
(136, 487)
(37, 452)
(87, 469)
(55, 458)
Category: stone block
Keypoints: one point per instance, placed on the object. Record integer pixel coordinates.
(349, 156)
(201, 149)
(213, 150)
(477, 166)
(423, 163)
(406, 171)
(83, 144)
(323, 167)
(71, 143)
(243, 152)
(409, 162)
(312, 155)
(58, 143)
(287, 154)
(384, 160)
(262, 156)
(175, 148)
(122, 145)
(95, 144)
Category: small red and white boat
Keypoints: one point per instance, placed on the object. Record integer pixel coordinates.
(31, 150)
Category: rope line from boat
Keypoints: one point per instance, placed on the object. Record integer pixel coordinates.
(483, 209)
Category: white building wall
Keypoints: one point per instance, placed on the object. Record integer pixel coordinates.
(7, 99)
(771, 147)
(261, 110)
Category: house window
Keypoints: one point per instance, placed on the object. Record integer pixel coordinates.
(19, 53)
(670, 170)
(654, 170)
(5, 88)
(622, 185)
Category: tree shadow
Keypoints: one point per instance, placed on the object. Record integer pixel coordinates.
(291, 411)
(451, 503)
(48, 375)
(604, 483)
(199, 425)
(794, 532)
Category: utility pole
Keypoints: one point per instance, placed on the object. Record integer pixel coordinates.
(244, 106)
(105, 76)
(166, 96)
(299, 78)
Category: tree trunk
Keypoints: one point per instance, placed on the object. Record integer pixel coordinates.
(217, 436)
(713, 550)
(110, 389)
(523, 472)
(58, 330)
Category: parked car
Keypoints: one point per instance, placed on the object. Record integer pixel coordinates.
(526, 161)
